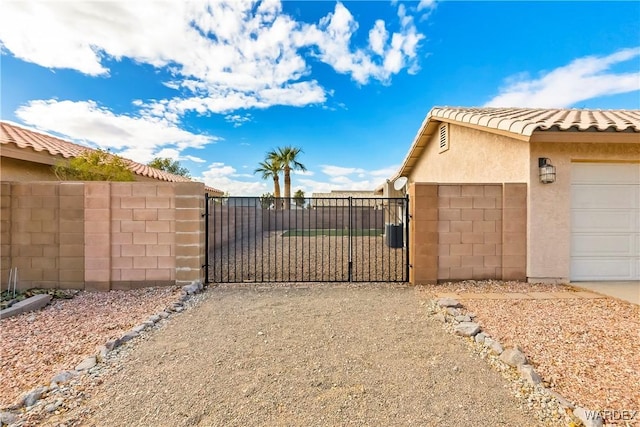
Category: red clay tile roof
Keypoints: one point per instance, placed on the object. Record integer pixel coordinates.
(521, 123)
(525, 121)
(27, 138)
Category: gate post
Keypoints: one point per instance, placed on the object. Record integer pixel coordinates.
(206, 237)
(406, 235)
(349, 237)
(423, 233)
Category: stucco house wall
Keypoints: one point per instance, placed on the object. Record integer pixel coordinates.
(502, 146)
(482, 157)
(21, 170)
(473, 156)
(549, 205)
(17, 170)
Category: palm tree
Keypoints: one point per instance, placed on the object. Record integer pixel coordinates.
(288, 158)
(271, 168)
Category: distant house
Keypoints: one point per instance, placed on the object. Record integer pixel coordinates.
(28, 155)
(523, 193)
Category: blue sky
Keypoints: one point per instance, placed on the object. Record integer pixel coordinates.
(218, 84)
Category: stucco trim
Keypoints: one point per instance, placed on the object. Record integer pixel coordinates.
(587, 137)
(29, 155)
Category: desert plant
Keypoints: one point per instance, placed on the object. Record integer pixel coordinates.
(298, 198)
(168, 165)
(266, 200)
(93, 165)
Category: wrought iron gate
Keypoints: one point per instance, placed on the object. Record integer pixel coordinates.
(253, 239)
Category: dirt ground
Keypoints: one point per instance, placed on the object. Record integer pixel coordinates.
(318, 355)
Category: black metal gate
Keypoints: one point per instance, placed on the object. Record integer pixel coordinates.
(254, 239)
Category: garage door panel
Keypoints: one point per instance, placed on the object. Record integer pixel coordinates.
(605, 196)
(612, 173)
(599, 269)
(605, 221)
(603, 245)
(610, 220)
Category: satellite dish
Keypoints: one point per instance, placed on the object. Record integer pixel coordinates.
(399, 183)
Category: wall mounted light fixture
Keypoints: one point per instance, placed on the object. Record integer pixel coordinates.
(547, 171)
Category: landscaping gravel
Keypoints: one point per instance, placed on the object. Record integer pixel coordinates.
(587, 350)
(36, 346)
(286, 354)
(317, 355)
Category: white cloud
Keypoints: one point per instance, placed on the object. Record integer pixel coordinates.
(426, 4)
(345, 178)
(138, 138)
(172, 153)
(332, 38)
(385, 172)
(310, 186)
(302, 173)
(238, 119)
(193, 159)
(225, 178)
(378, 36)
(582, 79)
(339, 170)
(223, 55)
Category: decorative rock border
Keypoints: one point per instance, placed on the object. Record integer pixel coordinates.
(28, 400)
(511, 362)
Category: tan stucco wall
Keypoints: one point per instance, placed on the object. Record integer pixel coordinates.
(473, 156)
(20, 171)
(549, 205)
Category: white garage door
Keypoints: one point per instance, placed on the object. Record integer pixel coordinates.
(605, 221)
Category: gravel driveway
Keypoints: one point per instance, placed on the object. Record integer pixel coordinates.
(310, 356)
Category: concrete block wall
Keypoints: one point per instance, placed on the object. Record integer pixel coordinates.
(514, 232)
(5, 232)
(34, 236)
(334, 217)
(101, 235)
(189, 232)
(423, 233)
(228, 223)
(142, 221)
(467, 231)
(470, 232)
(71, 235)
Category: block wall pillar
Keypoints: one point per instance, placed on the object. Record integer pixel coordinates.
(71, 238)
(423, 233)
(97, 229)
(189, 232)
(5, 233)
(514, 232)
